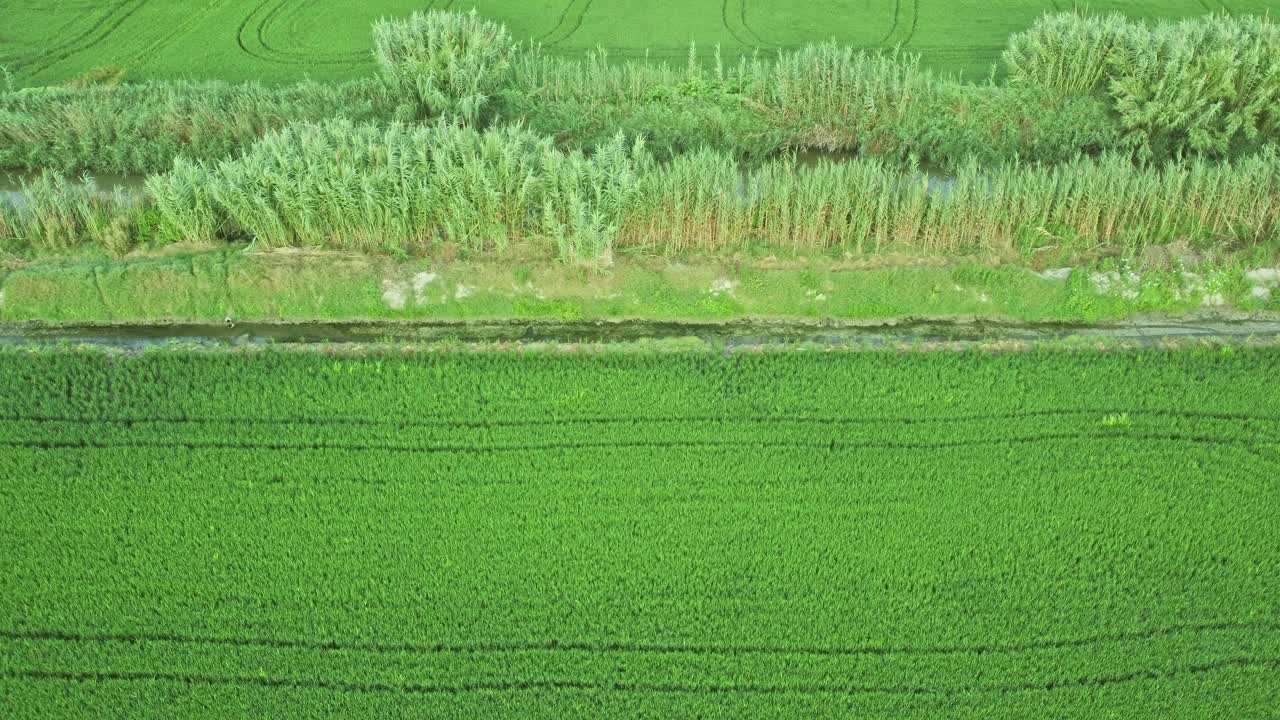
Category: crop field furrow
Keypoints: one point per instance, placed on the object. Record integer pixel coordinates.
(264, 26)
(570, 22)
(254, 41)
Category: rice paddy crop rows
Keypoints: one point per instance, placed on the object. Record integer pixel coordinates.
(482, 535)
(289, 40)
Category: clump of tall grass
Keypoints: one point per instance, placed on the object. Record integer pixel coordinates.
(1207, 86)
(446, 64)
(1068, 52)
(823, 96)
(678, 108)
(833, 97)
(403, 187)
(597, 78)
(58, 215)
(866, 206)
(139, 128)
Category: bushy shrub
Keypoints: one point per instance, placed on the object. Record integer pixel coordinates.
(1208, 86)
(994, 124)
(446, 64)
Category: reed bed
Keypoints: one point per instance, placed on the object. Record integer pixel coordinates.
(1077, 84)
(403, 188)
(400, 187)
(141, 128)
(60, 215)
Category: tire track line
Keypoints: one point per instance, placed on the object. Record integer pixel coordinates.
(897, 10)
(336, 58)
(915, 21)
(577, 25)
(742, 17)
(1085, 682)
(831, 445)
(616, 420)
(641, 648)
(184, 26)
(266, 54)
(724, 20)
(106, 24)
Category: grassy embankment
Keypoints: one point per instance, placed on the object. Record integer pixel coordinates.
(211, 285)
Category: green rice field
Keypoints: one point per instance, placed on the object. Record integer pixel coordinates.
(285, 40)
(670, 534)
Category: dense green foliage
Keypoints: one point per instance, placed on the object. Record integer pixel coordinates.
(801, 535)
(1205, 86)
(1202, 87)
(365, 187)
(588, 156)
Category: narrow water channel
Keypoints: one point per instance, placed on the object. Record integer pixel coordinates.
(105, 185)
(744, 333)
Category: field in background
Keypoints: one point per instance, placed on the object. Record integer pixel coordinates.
(287, 40)
(807, 534)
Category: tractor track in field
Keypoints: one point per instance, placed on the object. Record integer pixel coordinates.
(915, 22)
(769, 45)
(245, 37)
(708, 419)
(1177, 630)
(742, 17)
(98, 31)
(724, 20)
(832, 445)
(270, 682)
(48, 39)
(254, 41)
(192, 20)
(556, 35)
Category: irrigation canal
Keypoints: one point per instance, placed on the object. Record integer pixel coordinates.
(743, 333)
